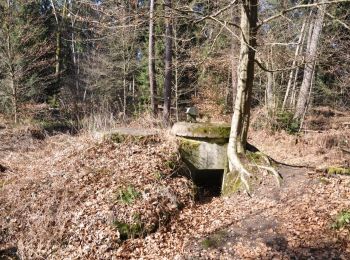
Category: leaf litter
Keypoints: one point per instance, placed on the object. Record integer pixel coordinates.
(62, 198)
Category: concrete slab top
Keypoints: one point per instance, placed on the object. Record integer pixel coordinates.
(202, 130)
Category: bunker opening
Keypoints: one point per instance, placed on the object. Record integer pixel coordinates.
(208, 182)
(203, 148)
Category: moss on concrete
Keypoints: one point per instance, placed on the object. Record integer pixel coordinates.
(218, 131)
(231, 183)
(189, 144)
(189, 148)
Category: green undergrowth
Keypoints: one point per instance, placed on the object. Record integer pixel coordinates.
(284, 121)
(338, 170)
(342, 220)
(255, 157)
(128, 195)
(215, 240)
(54, 126)
(130, 230)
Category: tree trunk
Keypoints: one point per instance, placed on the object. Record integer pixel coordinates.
(233, 82)
(151, 60)
(14, 97)
(234, 47)
(168, 63)
(295, 80)
(270, 97)
(176, 69)
(11, 68)
(309, 67)
(297, 51)
(245, 76)
(60, 25)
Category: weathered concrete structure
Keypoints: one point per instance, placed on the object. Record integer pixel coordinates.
(203, 147)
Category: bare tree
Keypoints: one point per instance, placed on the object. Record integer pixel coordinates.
(311, 54)
(168, 63)
(151, 60)
(60, 21)
(294, 72)
(245, 76)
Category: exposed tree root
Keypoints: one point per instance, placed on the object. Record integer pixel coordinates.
(274, 172)
(254, 149)
(236, 165)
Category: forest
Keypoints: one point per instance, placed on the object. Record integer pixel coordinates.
(148, 129)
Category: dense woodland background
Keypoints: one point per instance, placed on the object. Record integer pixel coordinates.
(92, 61)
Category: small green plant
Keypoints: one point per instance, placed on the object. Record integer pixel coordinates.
(170, 164)
(342, 220)
(128, 195)
(214, 240)
(285, 121)
(132, 230)
(53, 101)
(158, 175)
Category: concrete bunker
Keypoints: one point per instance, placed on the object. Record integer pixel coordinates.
(203, 147)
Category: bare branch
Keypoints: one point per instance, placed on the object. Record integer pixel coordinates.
(282, 13)
(339, 21)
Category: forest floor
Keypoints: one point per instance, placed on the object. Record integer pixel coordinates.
(62, 197)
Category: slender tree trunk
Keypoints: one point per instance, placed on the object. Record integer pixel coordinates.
(133, 89)
(151, 60)
(310, 60)
(60, 24)
(124, 92)
(233, 81)
(11, 68)
(234, 46)
(245, 75)
(295, 80)
(270, 87)
(168, 63)
(176, 69)
(58, 55)
(291, 74)
(270, 97)
(14, 97)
